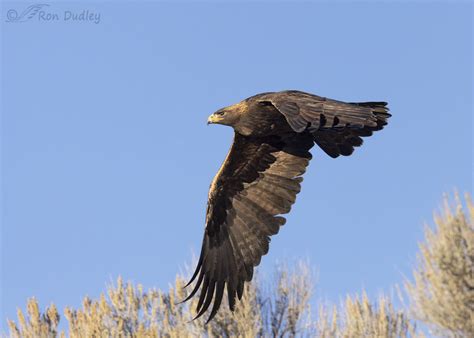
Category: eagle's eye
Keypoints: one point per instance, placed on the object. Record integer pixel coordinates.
(265, 103)
(220, 113)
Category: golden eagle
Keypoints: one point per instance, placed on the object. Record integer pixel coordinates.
(261, 176)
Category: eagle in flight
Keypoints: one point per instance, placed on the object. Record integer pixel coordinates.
(261, 176)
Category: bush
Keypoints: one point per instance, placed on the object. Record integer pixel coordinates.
(278, 310)
(442, 296)
(442, 292)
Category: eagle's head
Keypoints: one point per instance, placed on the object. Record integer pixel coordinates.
(229, 116)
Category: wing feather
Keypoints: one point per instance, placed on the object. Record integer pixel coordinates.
(258, 182)
(337, 126)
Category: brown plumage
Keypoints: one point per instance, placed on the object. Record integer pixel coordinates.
(261, 176)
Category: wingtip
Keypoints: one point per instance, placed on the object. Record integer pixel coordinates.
(209, 319)
(201, 312)
(199, 315)
(185, 299)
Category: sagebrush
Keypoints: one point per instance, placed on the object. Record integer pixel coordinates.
(441, 296)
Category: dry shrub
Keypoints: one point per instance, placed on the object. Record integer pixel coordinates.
(442, 295)
(357, 317)
(35, 324)
(284, 302)
(128, 311)
(276, 309)
(442, 292)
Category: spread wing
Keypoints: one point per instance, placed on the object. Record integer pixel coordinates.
(337, 126)
(257, 182)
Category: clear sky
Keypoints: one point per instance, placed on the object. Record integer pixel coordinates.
(106, 156)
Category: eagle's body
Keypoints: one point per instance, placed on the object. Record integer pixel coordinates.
(261, 176)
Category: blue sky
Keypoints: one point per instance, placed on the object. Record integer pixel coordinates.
(106, 156)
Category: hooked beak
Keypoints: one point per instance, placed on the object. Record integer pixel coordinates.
(210, 119)
(214, 118)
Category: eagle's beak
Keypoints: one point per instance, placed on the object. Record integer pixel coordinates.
(210, 119)
(214, 118)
